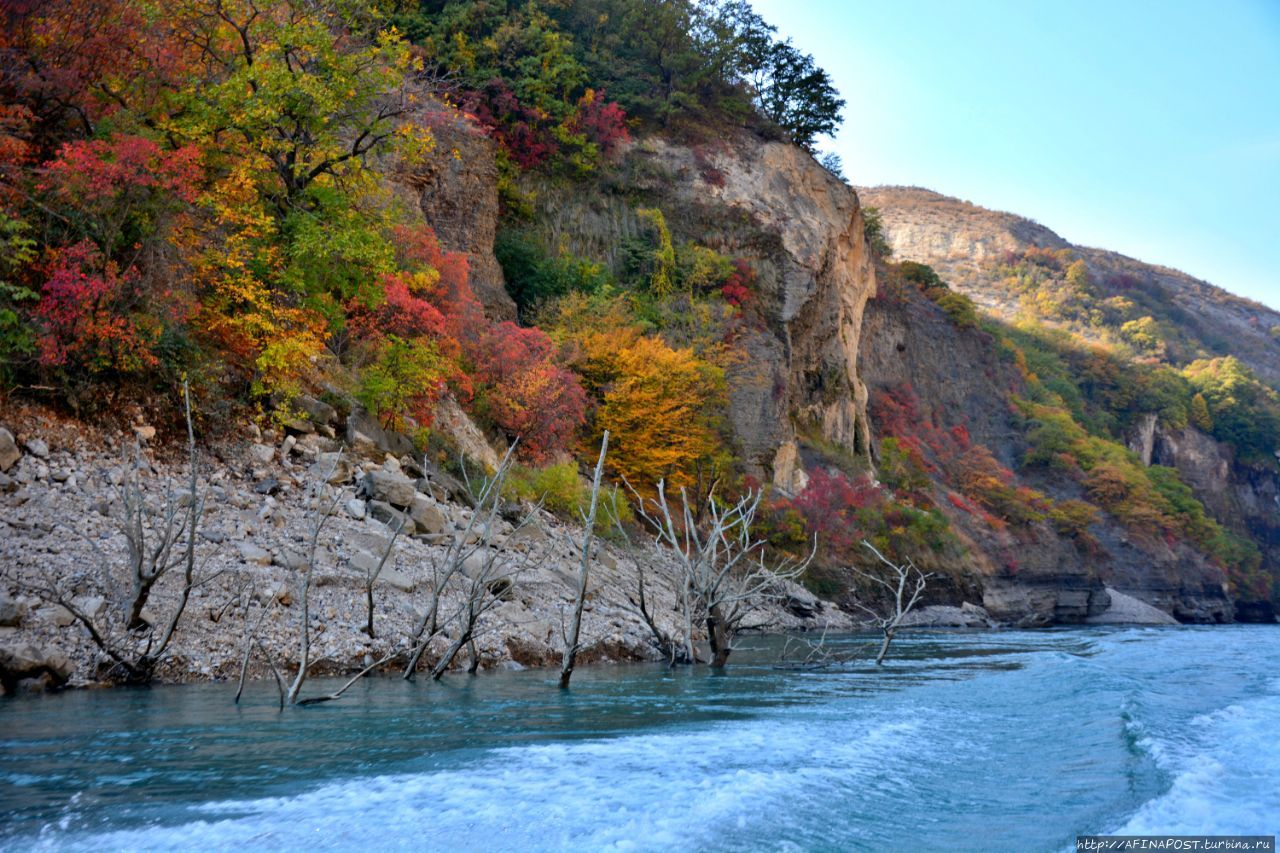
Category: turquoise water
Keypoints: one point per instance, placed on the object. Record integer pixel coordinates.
(991, 741)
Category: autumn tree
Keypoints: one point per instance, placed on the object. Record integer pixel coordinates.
(661, 413)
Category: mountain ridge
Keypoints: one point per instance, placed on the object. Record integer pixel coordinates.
(965, 241)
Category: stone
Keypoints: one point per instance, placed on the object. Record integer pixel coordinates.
(291, 560)
(801, 603)
(356, 508)
(296, 426)
(269, 486)
(275, 591)
(22, 661)
(62, 617)
(9, 452)
(334, 468)
(37, 448)
(387, 486)
(1128, 610)
(364, 562)
(477, 565)
(287, 446)
(262, 454)
(530, 534)
(396, 579)
(93, 606)
(316, 411)
(427, 517)
(10, 611)
(367, 437)
(144, 432)
(251, 553)
(390, 516)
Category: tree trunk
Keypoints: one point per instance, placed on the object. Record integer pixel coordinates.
(718, 636)
(575, 627)
(884, 647)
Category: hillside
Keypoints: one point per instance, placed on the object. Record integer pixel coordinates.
(1100, 351)
(969, 245)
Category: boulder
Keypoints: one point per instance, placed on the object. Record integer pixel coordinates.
(368, 438)
(93, 606)
(365, 562)
(1127, 610)
(291, 560)
(251, 553)
(946, 616)
(298, 426)
(389, 487)
(9, 452)
(801, 603)
(262, 454)
(396, 579)
(10, 611)
(316, 411)
(334, 468)
(275, 591)
(390, 516)
(22, 661)
(427, 517)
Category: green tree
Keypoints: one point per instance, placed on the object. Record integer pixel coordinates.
(1200, 416)
(794, 93)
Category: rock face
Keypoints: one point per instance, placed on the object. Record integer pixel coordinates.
(1040, 577)
(801, 229)
(1244, 498)
(458, 196)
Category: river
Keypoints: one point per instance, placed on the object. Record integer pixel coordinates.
(1011, 740)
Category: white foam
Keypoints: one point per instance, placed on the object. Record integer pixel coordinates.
(1226, 775)
(643, 792)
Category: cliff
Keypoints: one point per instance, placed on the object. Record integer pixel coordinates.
(801, 230)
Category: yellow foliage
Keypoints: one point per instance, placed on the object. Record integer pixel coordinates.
(660, 413)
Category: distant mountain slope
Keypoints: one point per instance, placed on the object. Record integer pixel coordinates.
(974, 249)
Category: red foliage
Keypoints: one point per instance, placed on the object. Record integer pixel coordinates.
(525, 393)
(417, 249)
(602, 122)
(77, 62)
(518, 129)
(736, 289)
(402, 313)
(102, 170)
(830, 504)
(88, 311)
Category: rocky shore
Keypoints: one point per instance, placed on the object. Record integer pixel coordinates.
(60, 502)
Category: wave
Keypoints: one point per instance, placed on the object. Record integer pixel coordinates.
(685, 790)
(1224, 770)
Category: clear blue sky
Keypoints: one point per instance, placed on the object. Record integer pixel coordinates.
(1151, 127)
